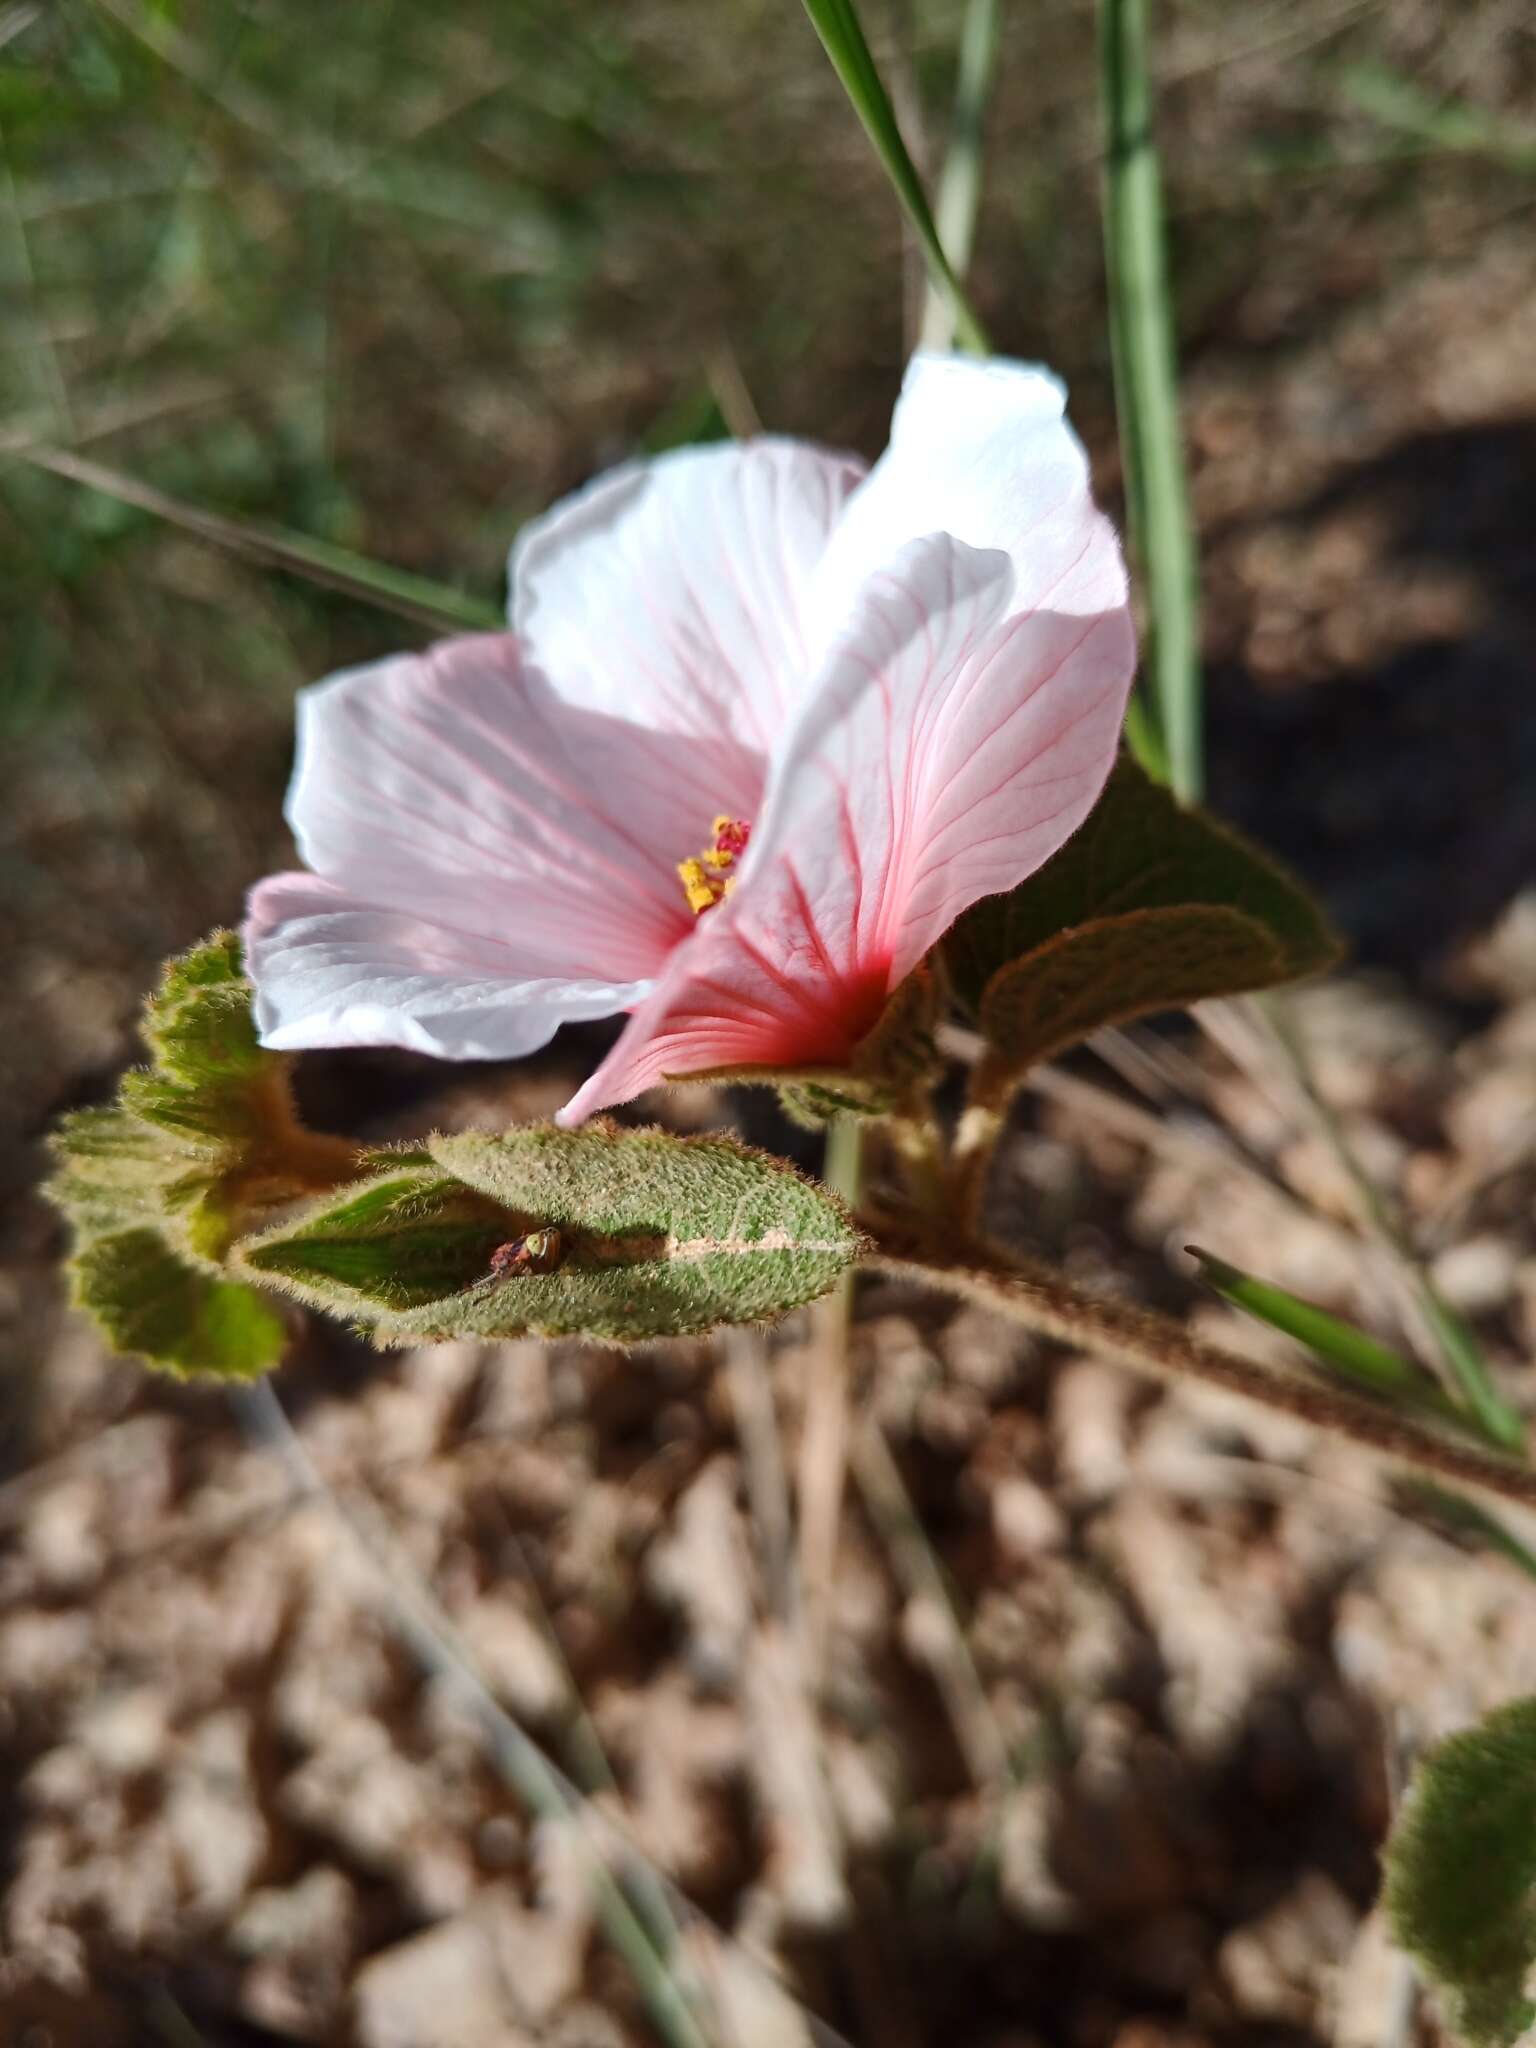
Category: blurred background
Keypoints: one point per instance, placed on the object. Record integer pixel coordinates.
(387, 279)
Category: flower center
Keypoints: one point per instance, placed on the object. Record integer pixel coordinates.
(707, 877)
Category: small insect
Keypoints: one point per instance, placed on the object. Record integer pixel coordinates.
(539, 1252)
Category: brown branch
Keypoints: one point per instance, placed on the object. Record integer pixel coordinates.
(1042, 1300)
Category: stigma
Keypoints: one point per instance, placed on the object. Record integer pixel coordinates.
(706, 877)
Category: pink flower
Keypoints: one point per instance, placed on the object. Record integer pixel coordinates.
(762, 729)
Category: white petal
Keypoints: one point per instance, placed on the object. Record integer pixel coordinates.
(673, 591)
(455, 787)
(331, 970)
(980, 450)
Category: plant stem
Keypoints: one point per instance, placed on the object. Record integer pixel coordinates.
(1146, 389)
(1042, 1300)
(980, 1127)
(823, 1462)
(919, 1146)
(843, 1166)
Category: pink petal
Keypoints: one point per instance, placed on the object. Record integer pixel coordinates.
(673, 591)
(332, 970)
(950, 745)
(980, 450)
(490, 859)
(748, 990)
(456, 787)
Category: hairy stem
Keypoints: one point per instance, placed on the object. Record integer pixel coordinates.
(1042, 1300)
(970, 1161)
(919, 1147)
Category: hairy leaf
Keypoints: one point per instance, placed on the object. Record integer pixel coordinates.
(210, 1080)
(1461, 1873)
(1148, 906)
(203, 1137)
(639, 1234)
(115, 1171)
(394, 1242)
(1114, 969)
(149, 1301)
(157, 1186)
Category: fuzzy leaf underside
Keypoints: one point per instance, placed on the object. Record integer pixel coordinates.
(658, 1236)
(151, 1303)
(1148, 906)
(1116, 969)
(1461, 1874)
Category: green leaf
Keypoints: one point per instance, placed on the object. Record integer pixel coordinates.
(114, 1171)
(395, 1242)
(206, 1135)
(192, 1036)
(1149, 906)
(1461, 1874)
(199, 1143)
(641, 1234)
(150, 1302)
(210, 1080)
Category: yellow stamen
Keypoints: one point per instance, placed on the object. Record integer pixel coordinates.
(704, 878)
(702, 894)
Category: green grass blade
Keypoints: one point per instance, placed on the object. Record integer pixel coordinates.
(1455, 127)
(417, 598)
(1459, 1348)
(18, 280)
(1346, 1350)
(1470, 1520)
(843, 39)
(1500, 1423)
(959, 194)
(427, 1632)
(1141, 326)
